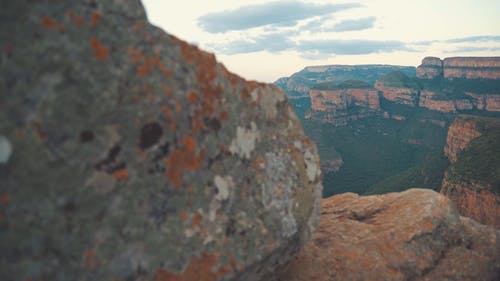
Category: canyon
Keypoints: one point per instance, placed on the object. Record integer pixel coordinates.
(449, 85)
(472, 181)
(424, 103)
(128, 154)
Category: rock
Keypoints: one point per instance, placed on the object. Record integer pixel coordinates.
(460, 133)
(473, 200)
(330, 166)
(488, 102)
(429, 100)
(460, 67)
(138, 157)
(401, 95)
(430, 68)
(340, 106)
(472, 67)
(472, 181)
(413, 235)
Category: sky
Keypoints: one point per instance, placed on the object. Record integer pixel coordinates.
(267, 39)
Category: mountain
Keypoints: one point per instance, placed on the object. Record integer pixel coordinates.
(472, 181)
(299, 84)
(129, 154)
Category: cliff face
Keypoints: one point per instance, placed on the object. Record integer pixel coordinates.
(328, 166)
(430, 68)
(344, 99)
(401, 95)
(473, 200)
(460, 133)
(460, 67)
(472, 181)
(340, 106)
(485, 101)
(429, 100)
(128, 154)
(413, 235)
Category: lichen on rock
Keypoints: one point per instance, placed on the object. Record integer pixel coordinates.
(138, 156)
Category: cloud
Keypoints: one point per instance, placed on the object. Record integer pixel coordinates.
(473, 39)
(350, 47)
(311, 49)
(279, 13)
(272, 42)
(357, 24)
(471, 49)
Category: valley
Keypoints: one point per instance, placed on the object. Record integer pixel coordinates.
(383, 128)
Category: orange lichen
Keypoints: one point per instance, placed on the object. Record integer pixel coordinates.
(184, 215)
(135, 55)
(5, 199)
(206, 74)
(90, 259)
(223, 116)
(197, 220)
(177, 106)
(192, 97)
(196, 124)
(168, 92)
(101, 52)
(183, 159)
(77, 20)
(165, 70)
(121, 174)
(167, 111)
(51, 23)
(252, 85)
(145, 65)
(245, 94)
(95, 18)
(189, 144)
(199, 268)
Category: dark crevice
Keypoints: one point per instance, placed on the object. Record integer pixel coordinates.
(150, 135)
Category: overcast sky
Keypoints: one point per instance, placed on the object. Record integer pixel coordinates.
(264, 40)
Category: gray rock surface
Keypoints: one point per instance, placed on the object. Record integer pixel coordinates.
(135, 156)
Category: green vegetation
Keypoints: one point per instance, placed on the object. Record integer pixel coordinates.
(427, 174)
(348, 84)
(325, 86)
(398, 79)
(480, 162)
(456, 88)
(368, 73)
(374, 149)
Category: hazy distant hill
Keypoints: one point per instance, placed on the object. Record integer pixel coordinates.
(301, 82)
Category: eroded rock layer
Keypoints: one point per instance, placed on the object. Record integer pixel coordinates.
(460, 67)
